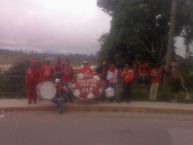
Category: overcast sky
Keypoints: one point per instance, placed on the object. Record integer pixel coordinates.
(67, 26)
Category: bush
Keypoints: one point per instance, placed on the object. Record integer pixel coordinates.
(140, 93)
(164, 94)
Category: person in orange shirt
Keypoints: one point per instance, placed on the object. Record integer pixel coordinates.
(31, 81)
(127, 76)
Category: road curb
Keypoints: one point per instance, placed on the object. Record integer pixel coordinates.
(129, 109)
(102, 108)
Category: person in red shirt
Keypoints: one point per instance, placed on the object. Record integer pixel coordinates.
(127, 76)
(86, 69)
(155, 80)
(144, 73)
(58, 68)
(68, 72)
(31, 81)
(68, 78)
(46, 72)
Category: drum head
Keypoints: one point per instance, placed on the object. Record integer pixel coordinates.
(110, 92)
(47, 90)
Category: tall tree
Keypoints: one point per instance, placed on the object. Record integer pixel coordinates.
(140, 27)
(170, 49)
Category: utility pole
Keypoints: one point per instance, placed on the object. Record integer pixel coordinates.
(170, 48)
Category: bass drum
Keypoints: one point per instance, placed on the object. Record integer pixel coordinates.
(46, 90)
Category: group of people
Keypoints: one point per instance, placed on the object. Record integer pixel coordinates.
(127, 75)
(146, 75)
(110, 76)
(36, 74)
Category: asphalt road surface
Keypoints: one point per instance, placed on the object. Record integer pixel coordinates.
(51, 128)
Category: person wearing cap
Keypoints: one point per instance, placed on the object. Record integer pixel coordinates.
(86, 69)
(46, 72)
(31, 81)
(127, 76)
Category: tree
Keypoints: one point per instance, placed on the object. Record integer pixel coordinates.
(170, 49)
(140, 27)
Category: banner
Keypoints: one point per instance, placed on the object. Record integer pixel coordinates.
(88, 88)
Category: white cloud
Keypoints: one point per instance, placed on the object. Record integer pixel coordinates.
(44, 25)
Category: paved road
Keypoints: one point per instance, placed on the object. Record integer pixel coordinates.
(51, 128)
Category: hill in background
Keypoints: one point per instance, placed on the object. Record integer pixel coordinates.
(14, 57)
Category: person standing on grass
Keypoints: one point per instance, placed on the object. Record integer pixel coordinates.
(31, 81)
(155, 80)
(127, 76)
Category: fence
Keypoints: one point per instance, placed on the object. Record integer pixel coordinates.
(12, 86)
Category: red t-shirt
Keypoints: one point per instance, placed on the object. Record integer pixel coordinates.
(128, 75)
(46, 73)
(59, 67)
(144, 69)
(68, 74)
(155, 75)
(31, 76)
(86, 70)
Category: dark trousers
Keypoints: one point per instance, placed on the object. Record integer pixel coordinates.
(127, 92)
